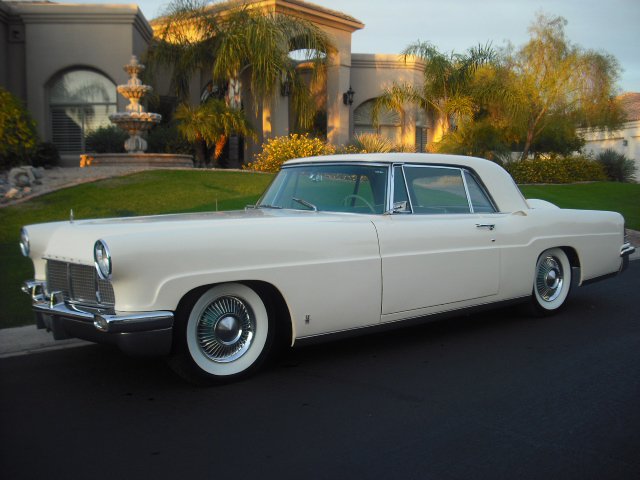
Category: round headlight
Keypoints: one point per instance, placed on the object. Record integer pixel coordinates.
(102, 259)
(25, 248)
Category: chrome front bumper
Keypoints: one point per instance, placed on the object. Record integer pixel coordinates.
(625, 252)
(137, 333)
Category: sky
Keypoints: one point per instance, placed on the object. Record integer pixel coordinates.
(611, 26)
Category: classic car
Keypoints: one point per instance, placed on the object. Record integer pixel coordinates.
(336, 245)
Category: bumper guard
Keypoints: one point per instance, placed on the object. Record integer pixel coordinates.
(625, 252)
(137, 333)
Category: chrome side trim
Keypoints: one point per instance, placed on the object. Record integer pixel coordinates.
(405, 322)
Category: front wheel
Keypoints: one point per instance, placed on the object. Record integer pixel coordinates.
(225, 333)
(552, 281)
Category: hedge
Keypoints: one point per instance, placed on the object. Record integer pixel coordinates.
(556, 170)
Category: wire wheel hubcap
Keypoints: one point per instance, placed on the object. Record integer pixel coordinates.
(549, 279)
(225, 329)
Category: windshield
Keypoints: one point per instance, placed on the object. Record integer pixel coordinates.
(329, 188)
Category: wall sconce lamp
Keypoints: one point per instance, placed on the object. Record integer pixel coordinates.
(285, 88)
(347, 97)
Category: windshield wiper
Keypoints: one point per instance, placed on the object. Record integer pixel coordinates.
(302, 201)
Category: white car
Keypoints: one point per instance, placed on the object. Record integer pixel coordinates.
(336, 245)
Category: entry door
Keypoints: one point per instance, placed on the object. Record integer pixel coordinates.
(437, 260)
(439, 246)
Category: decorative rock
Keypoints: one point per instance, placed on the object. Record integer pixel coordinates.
(21, 176)
(21, 180)
(12, 193)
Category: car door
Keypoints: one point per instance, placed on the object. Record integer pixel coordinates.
(439, 247)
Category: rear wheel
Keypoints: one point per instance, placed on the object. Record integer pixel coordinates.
(552, 281)
(225, 333)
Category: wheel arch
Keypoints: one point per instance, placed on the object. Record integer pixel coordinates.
(574, 261)
(272, 297)
(572, 254)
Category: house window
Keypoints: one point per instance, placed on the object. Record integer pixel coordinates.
(80, 101)
(421, 131)
(388, 122)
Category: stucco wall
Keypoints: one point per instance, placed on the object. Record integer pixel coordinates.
(4, 32)
(59, 37)
(599, 140)
(12, 61)
(372, 73)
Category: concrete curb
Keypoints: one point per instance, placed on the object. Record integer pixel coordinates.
(28, 339)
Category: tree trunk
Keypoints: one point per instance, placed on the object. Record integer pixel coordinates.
(201, 153)
(220, 143)
(527, 144)
(234, 94)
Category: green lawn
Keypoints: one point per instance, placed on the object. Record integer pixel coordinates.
(199, 190)
(139, 194)
(617, 197)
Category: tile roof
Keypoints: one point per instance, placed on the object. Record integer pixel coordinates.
(631, 104)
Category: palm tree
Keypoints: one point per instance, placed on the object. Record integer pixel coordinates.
(210, 125)
(195, 37)
(446, 90)
(396, 98)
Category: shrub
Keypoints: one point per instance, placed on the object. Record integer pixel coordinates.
(373, 143)
(617, 166)
(46, 155)
(18, 136)
(556, 170)
(106, 140)
(165, 138)
(347, 149)
(278, 150)
(477, 139)
(376, 143)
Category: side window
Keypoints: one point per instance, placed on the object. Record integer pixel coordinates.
(436, 190)
(479, 199)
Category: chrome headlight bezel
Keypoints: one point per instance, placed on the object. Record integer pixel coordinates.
(102, 260)
(25, 246)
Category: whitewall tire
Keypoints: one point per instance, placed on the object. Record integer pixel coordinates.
(552, 281)
(226, 334)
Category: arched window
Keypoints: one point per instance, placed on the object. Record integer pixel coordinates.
(80, 101)
(389, 122)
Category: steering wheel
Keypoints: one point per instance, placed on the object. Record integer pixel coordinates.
(358, 197)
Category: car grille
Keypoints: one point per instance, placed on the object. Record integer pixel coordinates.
(78, 284)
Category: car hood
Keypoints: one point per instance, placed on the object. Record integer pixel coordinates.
(73, 241)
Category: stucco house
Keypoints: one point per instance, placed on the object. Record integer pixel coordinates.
(626, 140)
(65, 61)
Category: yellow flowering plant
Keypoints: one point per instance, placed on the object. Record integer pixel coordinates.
(278, 150)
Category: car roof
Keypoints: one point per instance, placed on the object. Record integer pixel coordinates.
(498, 182)
(426, 158)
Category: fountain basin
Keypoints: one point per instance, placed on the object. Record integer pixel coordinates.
(158, 160)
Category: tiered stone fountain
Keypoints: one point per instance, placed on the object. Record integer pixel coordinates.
(136, 122)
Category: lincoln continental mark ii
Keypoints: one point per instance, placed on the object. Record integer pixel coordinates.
(336, 245)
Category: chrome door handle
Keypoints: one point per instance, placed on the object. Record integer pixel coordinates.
(489, 226)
